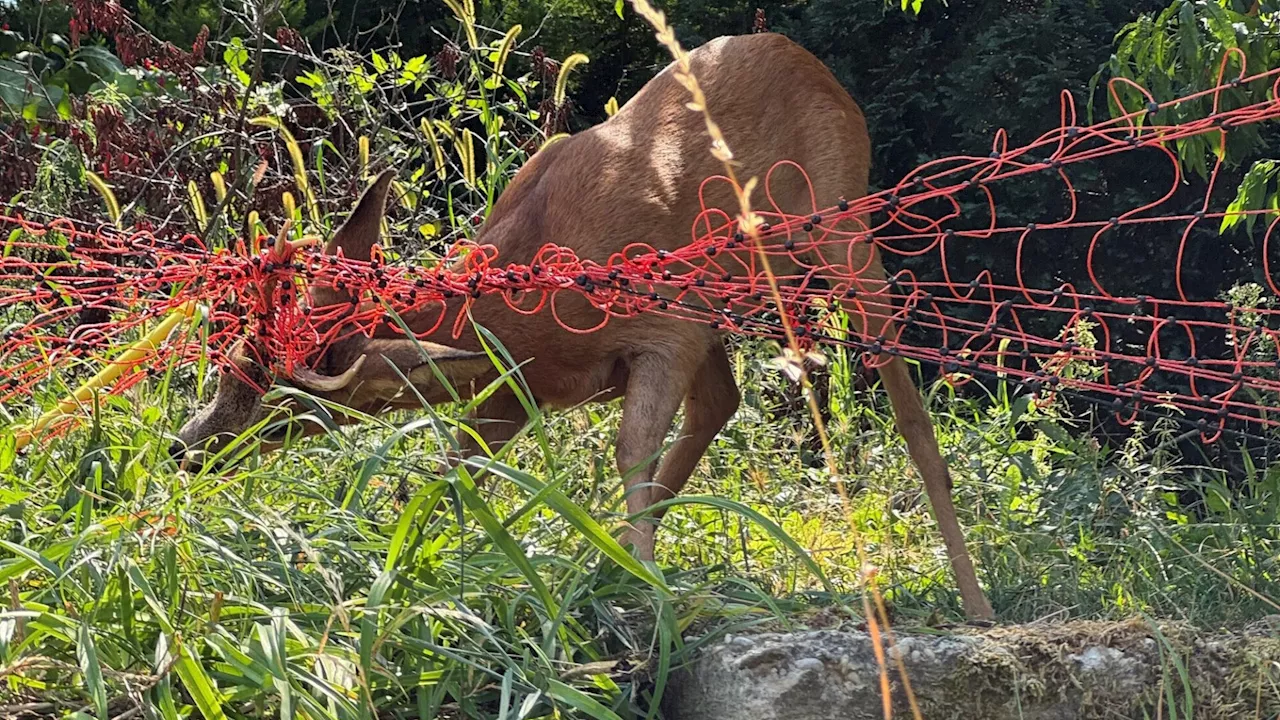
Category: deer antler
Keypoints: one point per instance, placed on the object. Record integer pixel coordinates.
(313, 380)
(282, 251)
(285, 248)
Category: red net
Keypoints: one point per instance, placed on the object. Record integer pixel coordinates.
(75, 292)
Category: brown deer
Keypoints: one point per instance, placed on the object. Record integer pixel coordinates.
(633, 179)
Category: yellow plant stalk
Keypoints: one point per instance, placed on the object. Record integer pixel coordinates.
(445, 128)
(504, 49)
(466, 14)
(219, 185)
(299, 165)
(408, 200)
(467, 154)
(251, 225)
(397, 190)
(108, 197)
(197, 204)
(437, 154)
(108, 375)
(562, 79)
(290, 206)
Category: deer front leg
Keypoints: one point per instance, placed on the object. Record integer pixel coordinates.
(874, 317)
(712, 399)
(655, 387)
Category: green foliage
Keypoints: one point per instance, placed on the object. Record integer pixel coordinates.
(39, 81)
(463, 132)
(1256, 192)
(350, 570)
(1193, 46)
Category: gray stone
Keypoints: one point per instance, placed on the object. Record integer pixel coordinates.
(1072, 671)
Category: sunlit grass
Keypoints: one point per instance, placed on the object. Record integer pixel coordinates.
(350, 573)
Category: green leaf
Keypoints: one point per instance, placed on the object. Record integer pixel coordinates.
(1217, 502)
(1021, 404)
(149, 595)
(500, 537)
(10, 41)
(579, 701)
(8, 449)
(99, 61)
(235, 56)
(163, 691)
(1189, 42)
(87, 654)
(271, 638)
(617, 7)
(1251, 195)
(198, 684)
(126, 83)
(581, 521)
(770, 526)
(369, 630)
(311, 79)
(374, 464)
(504, 700)
(423, 500)
(33, 556)
(668, 635)
(416, 65)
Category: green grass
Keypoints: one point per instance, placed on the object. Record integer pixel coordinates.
(348, 576)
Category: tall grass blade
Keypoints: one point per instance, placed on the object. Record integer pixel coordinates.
(582, 522)
(579, 701)
(87, 653)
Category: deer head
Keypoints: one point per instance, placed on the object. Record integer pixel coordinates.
(364, 374)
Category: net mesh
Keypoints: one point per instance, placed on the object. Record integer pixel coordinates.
(75, 292)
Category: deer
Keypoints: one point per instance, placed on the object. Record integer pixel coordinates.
(637, 177)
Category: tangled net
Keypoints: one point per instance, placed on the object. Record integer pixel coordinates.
(76, 292)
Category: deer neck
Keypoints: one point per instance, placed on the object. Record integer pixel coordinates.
(452, 321)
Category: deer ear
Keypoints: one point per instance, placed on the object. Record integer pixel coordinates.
(358, 234)
(459, 367)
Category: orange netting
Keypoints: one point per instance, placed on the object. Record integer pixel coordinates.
(75, 291)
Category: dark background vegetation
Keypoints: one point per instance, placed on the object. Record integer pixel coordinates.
(932, 83)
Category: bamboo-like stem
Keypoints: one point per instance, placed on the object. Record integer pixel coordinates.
(109, 374)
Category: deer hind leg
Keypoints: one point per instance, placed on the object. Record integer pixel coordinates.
(712, 399)
(655, 387)
(913, 423)
(874, 318)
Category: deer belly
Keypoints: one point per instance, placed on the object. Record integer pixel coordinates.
(597, 382)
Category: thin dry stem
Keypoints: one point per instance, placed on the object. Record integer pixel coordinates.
(750, 223)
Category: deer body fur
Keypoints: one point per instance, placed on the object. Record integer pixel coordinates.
(635, 178)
